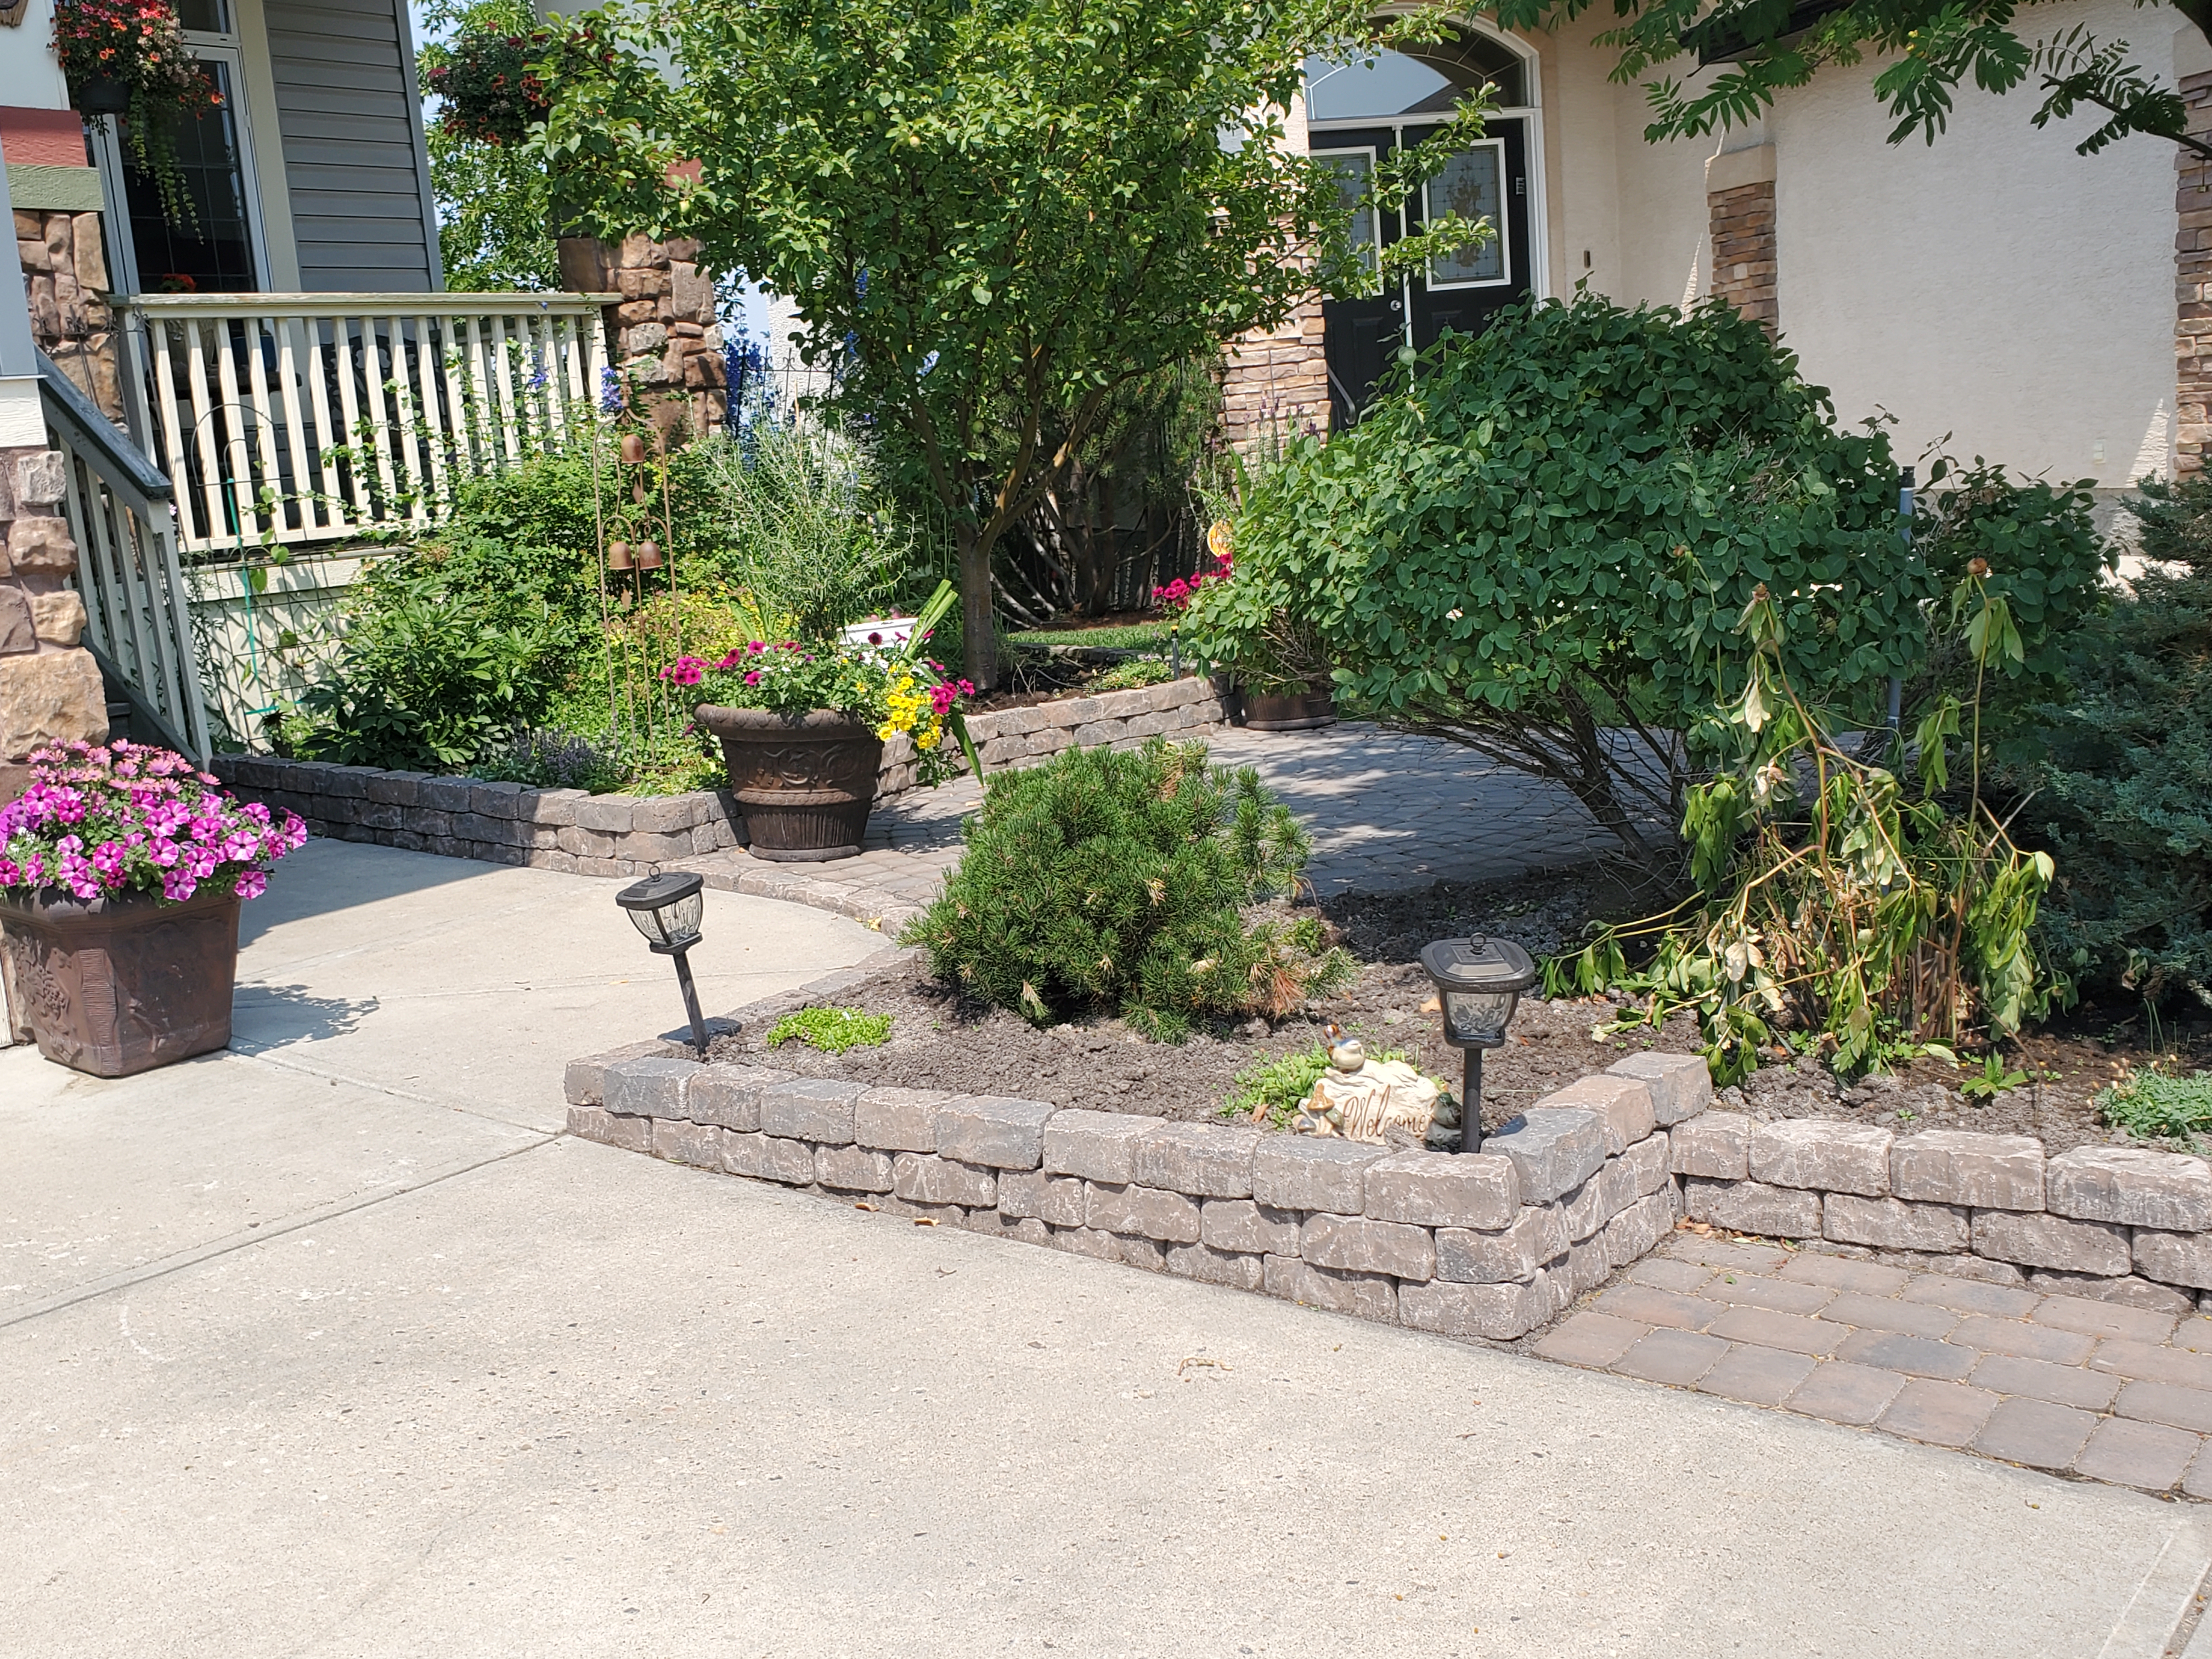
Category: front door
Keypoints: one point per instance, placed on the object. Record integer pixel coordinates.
(1488, 180)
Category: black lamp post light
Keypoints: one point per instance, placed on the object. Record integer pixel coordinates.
(666, 909)
(1479, 981)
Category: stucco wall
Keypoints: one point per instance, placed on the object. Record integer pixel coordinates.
(1997, 286)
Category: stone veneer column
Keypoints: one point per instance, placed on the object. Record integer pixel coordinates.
(1275, 383)
(1739, 202)
(50, 687)
(2192, 286)
(64, 261)
(663, 334)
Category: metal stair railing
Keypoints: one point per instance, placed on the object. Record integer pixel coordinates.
(137, 622)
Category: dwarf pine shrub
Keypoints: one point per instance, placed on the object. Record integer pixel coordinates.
(1103, 882)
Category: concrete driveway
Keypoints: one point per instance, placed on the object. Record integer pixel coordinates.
(329, 1346)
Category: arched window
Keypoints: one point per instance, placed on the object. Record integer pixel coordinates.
(1415, 79)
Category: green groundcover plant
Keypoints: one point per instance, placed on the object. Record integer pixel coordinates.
(2158, 1104)
(832, 1030)
(1117, 883)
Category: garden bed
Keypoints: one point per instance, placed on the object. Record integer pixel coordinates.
(2067, 1067)
(1100, 1065)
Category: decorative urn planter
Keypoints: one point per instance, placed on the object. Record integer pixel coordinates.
(121, 984)
(804, 782)
(1295, 711)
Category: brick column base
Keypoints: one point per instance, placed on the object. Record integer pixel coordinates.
(2192, 287)
(1743, 219)
(1275, 383)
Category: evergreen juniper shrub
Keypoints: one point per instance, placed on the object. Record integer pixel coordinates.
(1117, 883)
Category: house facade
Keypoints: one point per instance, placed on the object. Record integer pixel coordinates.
(1995, 287)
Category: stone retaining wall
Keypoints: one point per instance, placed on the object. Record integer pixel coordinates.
(2119, 1222)
(580, 834)
(1491, 1245)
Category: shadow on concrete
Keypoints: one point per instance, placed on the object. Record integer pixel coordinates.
(328, 875)
(271, 1016)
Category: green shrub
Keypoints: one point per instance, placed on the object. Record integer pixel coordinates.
(2122, 780)
(1103, 881)
(2156, 1104)
(833, 1030)
(1543, 537)
(1129, 675)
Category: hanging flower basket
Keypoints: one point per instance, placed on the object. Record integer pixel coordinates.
(128, 58)
(121, 872)
(492, 95)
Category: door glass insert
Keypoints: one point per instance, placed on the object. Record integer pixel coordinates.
(1471, 184)
(211, 250)
(1355, 175)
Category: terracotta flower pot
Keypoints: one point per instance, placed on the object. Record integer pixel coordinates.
(1297, 711)
(122, 984)
(804, 782)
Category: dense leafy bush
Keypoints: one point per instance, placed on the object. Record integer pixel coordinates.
(1498, 552)
(1542, 538)
(2123, 769)
(1103, 881)
(497, 623)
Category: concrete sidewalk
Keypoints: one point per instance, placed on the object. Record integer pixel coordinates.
(331, 1349)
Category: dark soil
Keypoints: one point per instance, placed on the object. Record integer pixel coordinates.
(2067, 1065)
(939, 1041)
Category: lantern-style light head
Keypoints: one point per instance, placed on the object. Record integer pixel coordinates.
(1479, 981)
(666, 909)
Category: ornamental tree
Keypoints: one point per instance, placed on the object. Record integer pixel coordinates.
(990, 217)
(1936, 45)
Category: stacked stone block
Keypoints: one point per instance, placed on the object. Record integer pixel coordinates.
(64, 260)
(663, 334)
(1178, 709)
(50, 687)
(568, 830)
(1488, 1245)
(2123, 1222)
(1274, 382)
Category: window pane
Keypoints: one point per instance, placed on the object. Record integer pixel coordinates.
(1355, 172)
(204, 17)
(1469, 186)
(1423, 79)
(212, 251)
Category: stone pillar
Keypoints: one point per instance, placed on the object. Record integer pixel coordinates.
(50, 687)
(2192, 286)
(1739, 202)
(1275, 383)
(663, 336)
(65, 259)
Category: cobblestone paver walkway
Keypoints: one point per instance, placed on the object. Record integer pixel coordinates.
(1386, 811)
(2056, 1382)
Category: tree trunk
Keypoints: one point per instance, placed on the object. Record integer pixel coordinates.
(979, 638)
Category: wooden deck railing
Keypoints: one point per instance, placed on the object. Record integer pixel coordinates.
(291, 418)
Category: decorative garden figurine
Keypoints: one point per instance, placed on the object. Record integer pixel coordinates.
(1377, 1101)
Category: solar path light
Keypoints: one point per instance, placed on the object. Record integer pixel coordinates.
(666, 908)
(1479, 981)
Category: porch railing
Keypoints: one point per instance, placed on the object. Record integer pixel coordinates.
(136, 620)
(293, 418)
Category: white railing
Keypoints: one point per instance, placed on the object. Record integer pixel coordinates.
(137, 619)
(291, 418)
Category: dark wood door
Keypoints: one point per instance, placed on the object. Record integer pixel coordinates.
(1491, 180)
